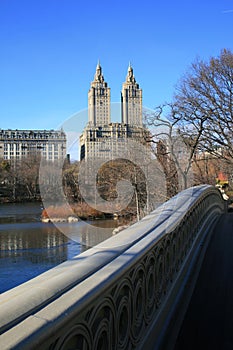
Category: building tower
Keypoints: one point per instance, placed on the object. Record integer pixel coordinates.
(99, 100)
(103, 139)
(131, 100)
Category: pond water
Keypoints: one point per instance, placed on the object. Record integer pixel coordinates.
(29, 247)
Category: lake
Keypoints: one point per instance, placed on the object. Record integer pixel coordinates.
(29, 247)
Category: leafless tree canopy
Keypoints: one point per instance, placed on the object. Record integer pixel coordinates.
(199, 119)
(203, 103)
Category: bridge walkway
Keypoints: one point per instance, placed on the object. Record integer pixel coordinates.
(208, 322)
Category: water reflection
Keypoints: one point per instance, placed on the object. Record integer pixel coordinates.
(29, 236)
(29, 247)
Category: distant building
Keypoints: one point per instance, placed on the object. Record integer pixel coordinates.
(99, 100)
(109, 141)
(131, 101)
(101, 138)
(18, 144)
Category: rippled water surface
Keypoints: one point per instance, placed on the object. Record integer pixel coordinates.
(29, 247)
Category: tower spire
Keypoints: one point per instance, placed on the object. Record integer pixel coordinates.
(98, 73)
(130, 77)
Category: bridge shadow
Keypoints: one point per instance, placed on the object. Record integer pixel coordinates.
(208, 322)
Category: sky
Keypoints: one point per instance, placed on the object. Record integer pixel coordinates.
(49, 50)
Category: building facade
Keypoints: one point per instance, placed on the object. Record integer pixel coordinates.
(131, 101)
(99, 100)
(101, 138)
(18, 144)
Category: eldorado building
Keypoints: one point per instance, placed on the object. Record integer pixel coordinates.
(101, 138)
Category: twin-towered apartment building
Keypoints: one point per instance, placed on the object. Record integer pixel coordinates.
(101, 138)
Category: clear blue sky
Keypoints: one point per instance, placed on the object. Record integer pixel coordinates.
(50, 48)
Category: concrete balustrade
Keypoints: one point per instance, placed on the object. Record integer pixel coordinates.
(124, 293)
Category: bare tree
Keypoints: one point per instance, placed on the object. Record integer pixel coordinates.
(27, 171)
(5, 175)
(173, 145)
(200, 119)
(204, 101)
(70, 181)
(122, 169)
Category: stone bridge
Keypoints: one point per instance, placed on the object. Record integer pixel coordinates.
(128, 292)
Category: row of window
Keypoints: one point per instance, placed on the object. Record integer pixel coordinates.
(31, 136)
(17, 146)
(18, 155)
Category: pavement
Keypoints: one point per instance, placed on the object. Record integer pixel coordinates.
(208, 323)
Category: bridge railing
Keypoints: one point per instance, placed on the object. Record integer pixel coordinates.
(120, 294)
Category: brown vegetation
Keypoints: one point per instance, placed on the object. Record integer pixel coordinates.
(80, 210)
